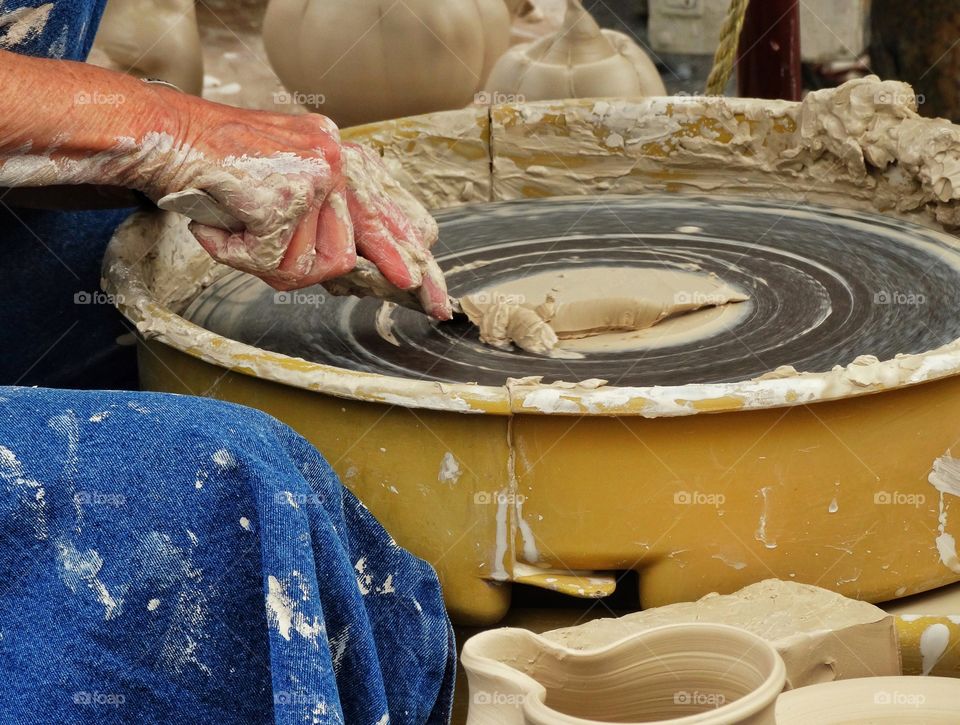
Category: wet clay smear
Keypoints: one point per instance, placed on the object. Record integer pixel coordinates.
(540, 313)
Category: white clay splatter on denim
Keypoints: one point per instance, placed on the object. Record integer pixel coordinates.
(283, 614)
(23, 25)
(223, 458)
(81, 569)
(26, 489)
(69, 427)
(364, 580)
(338, 646)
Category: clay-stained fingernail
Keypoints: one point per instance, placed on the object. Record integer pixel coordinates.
(433, 292)
(435, 304)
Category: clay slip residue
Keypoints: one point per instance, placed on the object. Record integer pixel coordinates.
(539, 312)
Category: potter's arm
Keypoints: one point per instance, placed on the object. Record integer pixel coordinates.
(307, 205)
(61, 111)
(57, 116)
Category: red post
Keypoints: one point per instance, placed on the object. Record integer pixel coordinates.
(768, 57)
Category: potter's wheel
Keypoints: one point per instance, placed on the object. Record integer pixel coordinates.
(825, 286)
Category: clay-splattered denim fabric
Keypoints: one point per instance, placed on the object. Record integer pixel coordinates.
(62, 29)
(168, 559)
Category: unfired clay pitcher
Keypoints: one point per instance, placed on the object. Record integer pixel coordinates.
(678, 674)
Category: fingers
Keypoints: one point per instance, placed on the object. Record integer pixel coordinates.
(384, 236)
(301, 252)
(270, 210)
(393, 230)
(376, 242)
(277, 179)
(410, 220)
(322, 248)
(387, 239)
(301, 229)
(213, 240)
(317, 244)
(364, 168)
(433, 292)
(336, 249)
(433, 286)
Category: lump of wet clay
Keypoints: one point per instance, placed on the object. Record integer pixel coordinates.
(503, 322)
(822, 636)
(535, 313)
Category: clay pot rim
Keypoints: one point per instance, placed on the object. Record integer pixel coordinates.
(837, 694)
(535, 702)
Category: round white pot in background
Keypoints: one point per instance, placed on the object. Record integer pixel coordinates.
(578, 61)
(359, 61)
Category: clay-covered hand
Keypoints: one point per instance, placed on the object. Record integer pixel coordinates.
(308, 204)
(299, 204)
(392, 229)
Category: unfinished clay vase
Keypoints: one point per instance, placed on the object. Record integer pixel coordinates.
(928, 700)
(534, 19)
(580, 60)
(683, 673)
(151, 39)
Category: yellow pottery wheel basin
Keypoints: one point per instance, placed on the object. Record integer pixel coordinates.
(841, 478)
